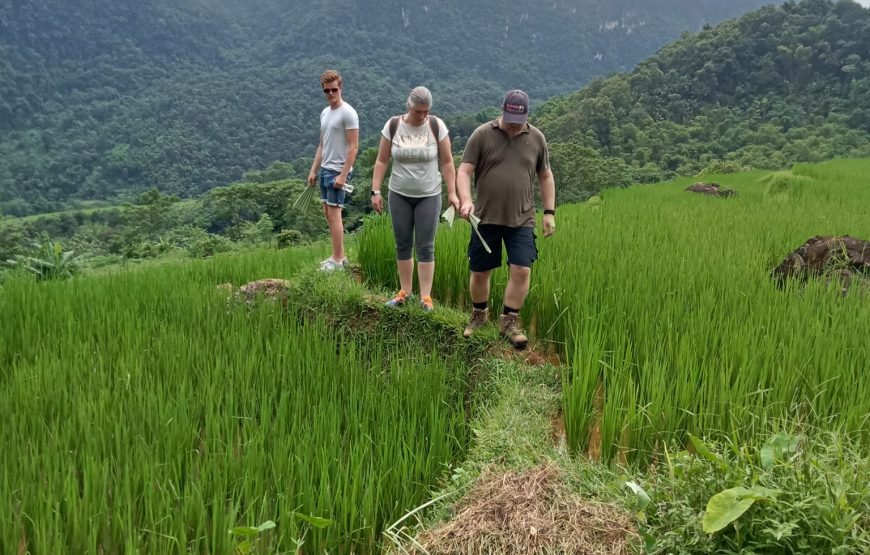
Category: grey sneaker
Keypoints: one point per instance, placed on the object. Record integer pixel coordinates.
(478, 319)
(509, 327)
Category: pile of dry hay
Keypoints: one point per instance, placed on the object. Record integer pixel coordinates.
(529, 512)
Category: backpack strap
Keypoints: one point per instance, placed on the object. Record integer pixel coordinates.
(394, 125)
(433, 125)
(435, 128)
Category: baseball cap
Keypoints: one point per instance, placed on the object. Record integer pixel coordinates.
(515, 108)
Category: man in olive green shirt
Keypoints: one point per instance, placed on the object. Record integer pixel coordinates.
(504, 156)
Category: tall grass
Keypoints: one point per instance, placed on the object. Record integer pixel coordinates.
(663, 303)
(142, 414)
(377, 253)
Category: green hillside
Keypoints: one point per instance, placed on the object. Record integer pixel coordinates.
(781, 85)
(101, 99)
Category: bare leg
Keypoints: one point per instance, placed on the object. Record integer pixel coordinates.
(479, 286)
(336, 231)
(518, 286)
(406, 274)
(425, 274)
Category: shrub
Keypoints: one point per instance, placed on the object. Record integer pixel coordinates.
(789, 495)
(723, 167)
(785, 184)
(48, 260)
(289, 237)
(208, 245)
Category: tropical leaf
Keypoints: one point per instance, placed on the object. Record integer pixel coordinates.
(775, 448)
(315, 521)
(725, 507)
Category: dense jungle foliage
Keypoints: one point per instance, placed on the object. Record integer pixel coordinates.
(781, 85)
(107, 99)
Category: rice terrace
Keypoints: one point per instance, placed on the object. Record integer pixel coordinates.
(678, 399)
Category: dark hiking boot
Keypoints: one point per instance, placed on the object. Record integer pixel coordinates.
(478, 319)
(510, 329)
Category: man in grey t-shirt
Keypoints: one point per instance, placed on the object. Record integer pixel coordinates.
(504, 156)
(333, 162)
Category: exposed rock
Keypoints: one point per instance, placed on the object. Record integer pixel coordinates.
(712, 189)
(272, 289)
(843, 259)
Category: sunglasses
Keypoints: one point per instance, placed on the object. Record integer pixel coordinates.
(328, 91)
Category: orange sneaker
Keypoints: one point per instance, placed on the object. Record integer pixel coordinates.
(398, 300)
(426, 304)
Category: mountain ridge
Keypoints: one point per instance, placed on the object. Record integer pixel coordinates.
(101, 100)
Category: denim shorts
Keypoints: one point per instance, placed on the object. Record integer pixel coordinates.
(329, 194)
(519, 242)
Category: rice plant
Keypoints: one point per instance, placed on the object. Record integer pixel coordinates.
(662, 302)
(143, 413)
(377, 252)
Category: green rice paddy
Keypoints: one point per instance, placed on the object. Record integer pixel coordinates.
(662, 304)
(143, 413)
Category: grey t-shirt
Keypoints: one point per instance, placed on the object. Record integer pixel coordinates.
(333, 124)
(415, 158)
(504, 173)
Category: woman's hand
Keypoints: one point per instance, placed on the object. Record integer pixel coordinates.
(454, 201)
(378, 203)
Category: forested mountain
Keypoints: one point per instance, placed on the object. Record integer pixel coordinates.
(784, 84)
(101, 99)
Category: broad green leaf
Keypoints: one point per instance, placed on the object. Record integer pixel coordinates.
(725, 507)
(268, 525)
(244, 548)
(316, 521)
(779, 445)
(642, 497)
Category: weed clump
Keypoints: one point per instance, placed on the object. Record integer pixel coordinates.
(784, 185)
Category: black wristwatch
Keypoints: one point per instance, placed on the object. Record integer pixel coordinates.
(550, 212)
(374, 193)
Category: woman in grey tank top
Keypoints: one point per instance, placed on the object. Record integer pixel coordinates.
(418, 144)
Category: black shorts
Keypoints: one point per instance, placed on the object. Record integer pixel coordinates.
(519, 242)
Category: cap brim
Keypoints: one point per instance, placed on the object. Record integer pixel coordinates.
(514, 118)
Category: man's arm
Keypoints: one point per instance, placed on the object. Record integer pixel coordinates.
(352, 137)
(448, 171)
(548, 197)
(318, 158)
(463, 187)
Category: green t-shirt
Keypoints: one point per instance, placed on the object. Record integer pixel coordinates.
(504, 173)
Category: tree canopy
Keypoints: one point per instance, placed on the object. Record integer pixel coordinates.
(104, 100)
(784, 84)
